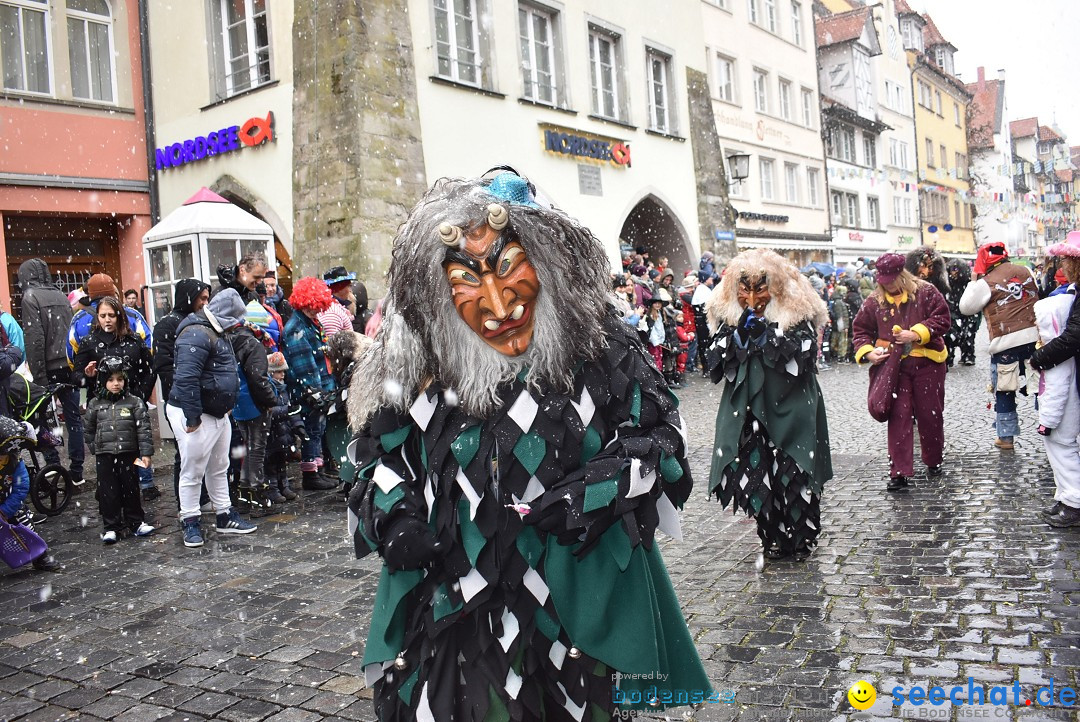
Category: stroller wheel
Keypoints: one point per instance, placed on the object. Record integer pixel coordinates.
(51, 489)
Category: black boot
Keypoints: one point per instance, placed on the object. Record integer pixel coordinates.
(285, 486)
(314, 482)
(273, 493)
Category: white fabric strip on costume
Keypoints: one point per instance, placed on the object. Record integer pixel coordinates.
(523, 412)
(385, 478)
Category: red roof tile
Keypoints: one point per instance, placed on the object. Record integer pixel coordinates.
(931, 35)
(1065, 176)
(1024, 128)
(985, 113)
(1048, 133)
(902, 8)
(840, 28)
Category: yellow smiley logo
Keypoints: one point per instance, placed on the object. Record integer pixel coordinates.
(862, 695)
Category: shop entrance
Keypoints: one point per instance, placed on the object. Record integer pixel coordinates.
(652, 225)
(74, 247)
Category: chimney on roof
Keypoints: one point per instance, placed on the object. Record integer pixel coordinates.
(982, 78)
(1001, 74)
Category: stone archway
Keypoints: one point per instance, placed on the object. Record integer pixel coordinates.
(651, 224)
(234, 191)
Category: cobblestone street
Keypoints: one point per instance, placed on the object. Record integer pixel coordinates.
(956, 579)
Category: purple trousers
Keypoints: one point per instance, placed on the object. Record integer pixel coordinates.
(920, 398)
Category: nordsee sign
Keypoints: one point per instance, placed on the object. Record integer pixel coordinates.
(255, 131)
(573, 143)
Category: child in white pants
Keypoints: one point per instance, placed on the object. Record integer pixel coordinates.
(1059, 407)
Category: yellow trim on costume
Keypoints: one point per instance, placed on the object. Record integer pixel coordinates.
(935, 356)
(923, 331)
(863, 350)
(897, 302)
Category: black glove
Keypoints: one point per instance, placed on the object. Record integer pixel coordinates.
(410, 544)
(1044, 430)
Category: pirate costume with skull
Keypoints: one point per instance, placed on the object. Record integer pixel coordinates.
(772, 454)
(516, 451)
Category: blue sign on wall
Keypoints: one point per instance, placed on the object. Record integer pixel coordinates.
(725, 235)
(254, 131)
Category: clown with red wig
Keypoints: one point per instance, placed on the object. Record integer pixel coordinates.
(308, 375)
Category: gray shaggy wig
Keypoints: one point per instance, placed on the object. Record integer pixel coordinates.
(422, 339)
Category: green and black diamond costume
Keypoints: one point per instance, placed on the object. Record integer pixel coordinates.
(772, 454)
(549, 583)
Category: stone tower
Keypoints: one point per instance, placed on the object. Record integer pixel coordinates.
(358, 161)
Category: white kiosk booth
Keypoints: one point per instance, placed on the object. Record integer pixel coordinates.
(191, 242)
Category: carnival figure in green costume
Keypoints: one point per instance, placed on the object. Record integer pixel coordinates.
(517, 450)
(772, 441)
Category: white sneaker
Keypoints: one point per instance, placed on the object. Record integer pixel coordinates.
(144, 530)
(109, 537)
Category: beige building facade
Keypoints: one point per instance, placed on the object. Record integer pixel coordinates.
(763, 75)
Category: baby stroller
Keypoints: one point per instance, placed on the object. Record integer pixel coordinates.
(51, 487)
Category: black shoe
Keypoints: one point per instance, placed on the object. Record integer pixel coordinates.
(1069, 516)
(46, 563)
(150, 493)
(274, 496)
(934, 471)
(897, 483)
(775, 552)
(314, 482)
(286, 490)
(802, 553)
(1053, 509)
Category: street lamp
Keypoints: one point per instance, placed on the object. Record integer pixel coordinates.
(739, 166)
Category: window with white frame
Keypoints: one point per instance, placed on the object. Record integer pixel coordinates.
(813, 190)
(851, 210)
(929, 152)
(956, 113)
(961, 165)
(761, 91)
(785, 99)
(837, 204)
(873, 213)
(90, 50)
(791, 183)
(898, 153)
(925, 94)
(902, 211)
(796, 23)
(658, 70)
(912, 34)
(870, 150)
(808, 107)
(755, 11)
(604, 71)
(766, 169)
(725, 78)
(895, 98)
(245, 44)
(841, 143)
(24, 46)
(770, 15)
(937, 100)
(539, 61)
(943, 159)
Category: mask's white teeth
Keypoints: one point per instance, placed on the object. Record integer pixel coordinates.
(491, 324)
(518, 313)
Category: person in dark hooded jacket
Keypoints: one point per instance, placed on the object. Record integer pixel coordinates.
(191, 295)
(46, 318)
(363, 313)
(961, 337)
(203, 393)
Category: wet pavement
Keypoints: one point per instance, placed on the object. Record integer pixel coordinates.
(953, 580)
